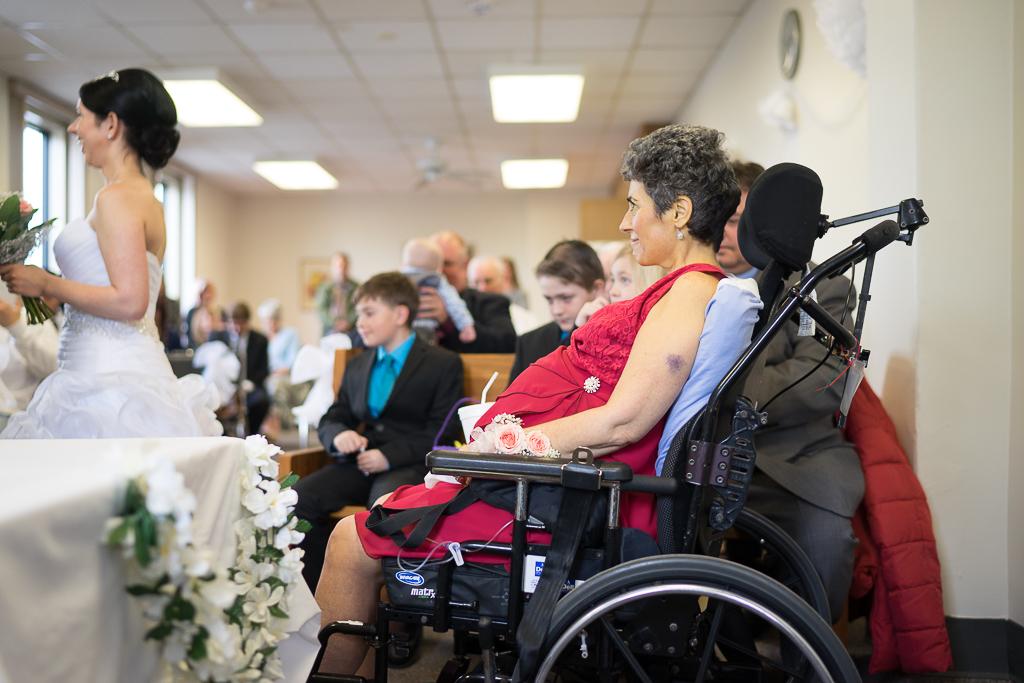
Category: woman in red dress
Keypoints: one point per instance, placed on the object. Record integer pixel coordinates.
(608, 390)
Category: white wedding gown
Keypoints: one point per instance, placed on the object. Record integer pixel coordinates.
(113, 379)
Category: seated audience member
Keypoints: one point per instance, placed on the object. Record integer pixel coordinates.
(31, 353)
(421, 263)
(206, 321)
(569, 276)
(334, 297)
(494, 330)
(627, 279)
(491, 274)
(251, 348)
(608, 390)
(392, 402)
(515, 293)
(167, 318)
(808, 479)
(282, 348)
(607, 252)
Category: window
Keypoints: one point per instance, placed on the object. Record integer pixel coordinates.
(44, 179)
(175, 193)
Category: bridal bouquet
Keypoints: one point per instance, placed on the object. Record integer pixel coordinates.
(505, 434)
(17, 241)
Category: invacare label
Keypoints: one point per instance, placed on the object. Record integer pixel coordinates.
(533, 567)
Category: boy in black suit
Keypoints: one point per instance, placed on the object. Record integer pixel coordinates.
(251, 347)
(393, 399)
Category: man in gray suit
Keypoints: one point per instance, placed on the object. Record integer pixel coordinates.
(808, 478)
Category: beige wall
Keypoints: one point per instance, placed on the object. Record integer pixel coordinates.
(932, 122)
(1015, 480)
(5, 132)
(258, 243)
(216, 256)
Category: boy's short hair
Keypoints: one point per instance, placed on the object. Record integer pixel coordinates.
(240, 312)
(394, 289)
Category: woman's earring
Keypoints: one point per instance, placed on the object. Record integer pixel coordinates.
(679, 233)
(110, 136)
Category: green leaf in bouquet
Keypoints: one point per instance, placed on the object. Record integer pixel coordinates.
(159, 632)
(278, 612)
(197, 650)
(289, 481)
(303, 527)
(10, 212)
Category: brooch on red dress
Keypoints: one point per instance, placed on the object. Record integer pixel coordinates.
(591, 385)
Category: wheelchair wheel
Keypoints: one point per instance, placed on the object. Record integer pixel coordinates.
(778, 556)
(671, 618)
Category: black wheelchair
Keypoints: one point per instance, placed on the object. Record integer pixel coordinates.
(617, 605)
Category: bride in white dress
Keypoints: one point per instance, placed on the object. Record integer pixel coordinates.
(113, 379)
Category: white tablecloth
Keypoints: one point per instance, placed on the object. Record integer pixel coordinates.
(64, 612)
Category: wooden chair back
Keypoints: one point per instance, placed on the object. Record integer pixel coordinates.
(477, 369)
(341, 359)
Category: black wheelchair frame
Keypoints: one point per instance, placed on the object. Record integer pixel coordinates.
(706, 476)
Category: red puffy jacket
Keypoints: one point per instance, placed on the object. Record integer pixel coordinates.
(897, 555)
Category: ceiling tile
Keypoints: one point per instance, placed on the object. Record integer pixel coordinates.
(326, 65)
(397, 65)
(481, 9)
(91, 42)
(237, 67)
(13, 45)
(671, 31)
(472, 89)
(54, 13)
(151, 11)
(284, 38)
(647, 110)
(170, 40)
(265, 12)
(59, 78)
(658, 84)
(661, 61)
(576, 8)
(698, 7)
(399, 89)
(423, 127)
(594, 62)
(598, 33)
(487, 34)
(323, 89)
(390, 36)
(477, 63)
(373, 11)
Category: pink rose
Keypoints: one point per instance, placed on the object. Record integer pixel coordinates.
(538, 443)
(509, 438)
(25, 208)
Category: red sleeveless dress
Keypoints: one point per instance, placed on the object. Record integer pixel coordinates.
(551, 388)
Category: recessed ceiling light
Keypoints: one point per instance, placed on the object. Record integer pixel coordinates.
(296, 175)
(536, 98)
(526, 174)
(205, 100)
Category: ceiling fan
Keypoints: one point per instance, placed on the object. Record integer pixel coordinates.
(433, 168)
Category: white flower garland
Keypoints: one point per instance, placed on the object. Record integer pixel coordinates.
(213, 624)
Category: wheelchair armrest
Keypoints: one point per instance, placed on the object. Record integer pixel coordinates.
(659, 486)
(530, 468)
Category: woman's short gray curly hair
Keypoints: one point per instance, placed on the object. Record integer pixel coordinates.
(685, 160)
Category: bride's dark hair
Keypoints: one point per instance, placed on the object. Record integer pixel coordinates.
(141, 102)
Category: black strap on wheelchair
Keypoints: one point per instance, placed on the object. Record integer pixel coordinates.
(390, 522)
(565, 541)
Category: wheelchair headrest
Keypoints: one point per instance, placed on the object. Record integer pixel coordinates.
(780, 221)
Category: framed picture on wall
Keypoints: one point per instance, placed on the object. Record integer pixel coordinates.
(312, 273)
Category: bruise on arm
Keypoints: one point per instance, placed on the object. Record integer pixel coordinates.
(675, 362)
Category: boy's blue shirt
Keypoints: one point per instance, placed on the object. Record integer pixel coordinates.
(386, 369)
